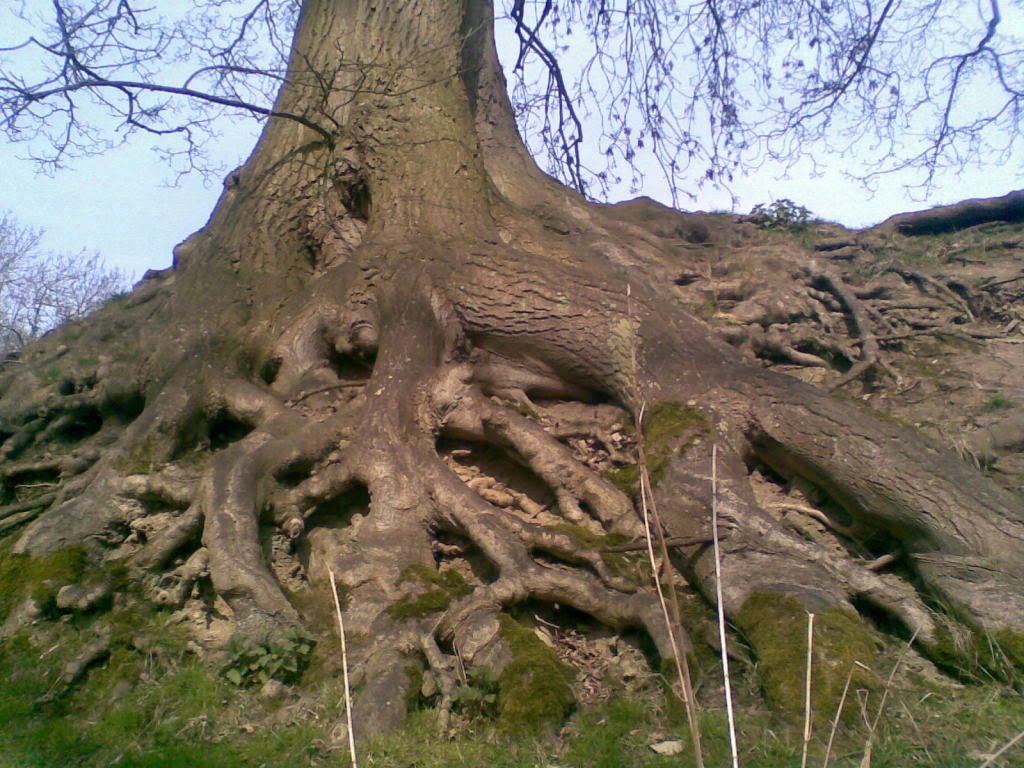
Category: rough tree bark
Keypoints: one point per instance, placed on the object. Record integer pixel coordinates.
(420, 279)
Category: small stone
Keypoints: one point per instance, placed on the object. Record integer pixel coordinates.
(273, 690)
(669, 747)
(78, 599)
(429, 687)
(22, 616)
(121, 690)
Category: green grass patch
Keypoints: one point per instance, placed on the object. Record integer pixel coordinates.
(152, 707)
(168, 710)
(51, 375)
(972, 654)
(626, 479)
(997, 403)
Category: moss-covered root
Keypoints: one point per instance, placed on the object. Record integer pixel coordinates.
(669, 429)
(40, 579)
(776, 626)
(535, 688)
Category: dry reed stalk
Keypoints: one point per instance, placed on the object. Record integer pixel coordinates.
(807, 689)
(721, 610)
(1002, 750)
(344, 671)
(839, 712)
(650, 514)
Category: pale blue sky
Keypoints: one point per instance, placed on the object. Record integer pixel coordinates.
(121, 204)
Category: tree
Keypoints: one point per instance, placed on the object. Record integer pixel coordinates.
(390, 271)
(38, 291)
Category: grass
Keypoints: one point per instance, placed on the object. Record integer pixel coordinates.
(997, 403)
(166, 709)
(151, 704)
(51, 375)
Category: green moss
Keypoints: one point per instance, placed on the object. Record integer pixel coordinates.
(669, 429)
(451, 581)
(418, 606)
(141, 459)
(446, 586)
(776, 626)
(535, 688)
(588, 539)
(413, 671)
(626, 479)
(51, 375)
(621, 563)
(22, 576)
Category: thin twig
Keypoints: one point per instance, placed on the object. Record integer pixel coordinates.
(671, 541)
(996, 755)
(721, 609)
(807, 689)
(839, 713)
(344, 670)
(866, 762)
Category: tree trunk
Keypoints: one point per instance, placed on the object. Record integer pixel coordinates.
(351, 308)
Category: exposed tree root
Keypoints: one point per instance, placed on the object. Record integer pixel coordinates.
(288, 451)
(311, 352)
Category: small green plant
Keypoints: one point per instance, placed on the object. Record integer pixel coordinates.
(997, 403)
(782, 214)
(478, 696)
(282, 658)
